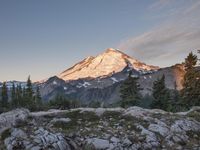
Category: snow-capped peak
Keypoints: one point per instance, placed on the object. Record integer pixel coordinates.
(109, 62)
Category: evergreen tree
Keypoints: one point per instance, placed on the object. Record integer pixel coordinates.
(176, 100)
(38, 95)
(130, 92)
(29, 89)
(146, 101)
(161, 95)
(4, 96)
(38, 99)
(13, 96)
(24, 93)
(19, 96)
(28, 95)
(190, 61)
(60, 102)
(191, 87)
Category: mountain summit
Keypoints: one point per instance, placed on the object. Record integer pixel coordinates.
(109, 62)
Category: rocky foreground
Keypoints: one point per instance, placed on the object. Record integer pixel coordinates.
(102, 128)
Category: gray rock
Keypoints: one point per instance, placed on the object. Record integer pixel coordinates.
(11, 118)
(162, 130)
(99, 143)
(126, 142)
(36, 148)
(18, 133)
(114, 140)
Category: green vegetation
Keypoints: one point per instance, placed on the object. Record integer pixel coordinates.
(6, 133)
(4, 96)
(25, 97)
(130, 92)
(191, 90)
(78, 121)
(61, 102)
(194, 115)
(161, 95)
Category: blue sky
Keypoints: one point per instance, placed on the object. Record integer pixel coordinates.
(41, 38)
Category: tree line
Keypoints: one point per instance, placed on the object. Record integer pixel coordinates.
(29, 97)
(162, 97)
(20, 97)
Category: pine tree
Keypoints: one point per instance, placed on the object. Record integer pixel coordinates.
(175, 102)
(60, 102)
(161, 95)
(29, 89)
(190, 61)
(4, 96)
(130, 92)
(191, 89)
(13, 96)
(28, 95)
(19, 96)
(38, 99)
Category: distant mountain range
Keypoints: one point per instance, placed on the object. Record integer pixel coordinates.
(99, 78)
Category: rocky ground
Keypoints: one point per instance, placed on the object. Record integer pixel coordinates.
(102, 128)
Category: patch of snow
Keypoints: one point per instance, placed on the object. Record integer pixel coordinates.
(54, 82)
(65, 88)
(145, 78)
(114, 80)
(134, 76)
(86, 84)
(79, 86)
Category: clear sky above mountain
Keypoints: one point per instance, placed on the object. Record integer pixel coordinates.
(41, 38)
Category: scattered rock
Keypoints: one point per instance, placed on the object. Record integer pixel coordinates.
(133, 128)
(99, 143)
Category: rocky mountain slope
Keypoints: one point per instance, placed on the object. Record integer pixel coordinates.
(106, 89)
(102, 129)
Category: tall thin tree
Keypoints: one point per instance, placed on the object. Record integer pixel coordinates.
(191, 90)
(4, 95)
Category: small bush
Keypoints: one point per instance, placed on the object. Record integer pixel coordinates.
(6, 133)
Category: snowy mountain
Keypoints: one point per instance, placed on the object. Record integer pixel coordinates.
(109, 62)
(10, 83)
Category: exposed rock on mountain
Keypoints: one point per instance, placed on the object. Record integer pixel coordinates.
(106, 89)
(101, 128)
